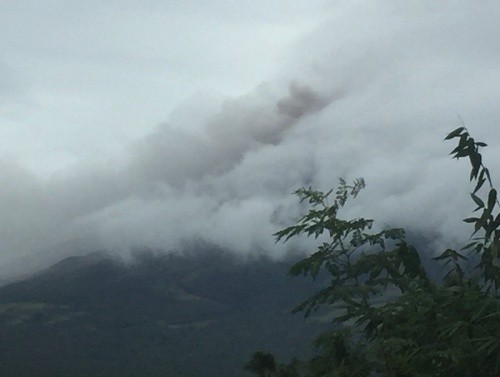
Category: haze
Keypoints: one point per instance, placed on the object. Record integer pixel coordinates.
(148, 125)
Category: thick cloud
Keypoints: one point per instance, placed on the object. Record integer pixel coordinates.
(176, 156)
(371, 92)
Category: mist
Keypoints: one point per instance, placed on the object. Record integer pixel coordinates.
(369, 91)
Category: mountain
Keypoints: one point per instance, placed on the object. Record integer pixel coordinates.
(201, 313)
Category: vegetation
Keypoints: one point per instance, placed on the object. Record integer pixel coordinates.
(200, 313)
(391, 318)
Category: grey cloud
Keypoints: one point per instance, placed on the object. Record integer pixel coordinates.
(174, 184)
(26, 218)
(301, 100)
(374, 92)
(176, 156)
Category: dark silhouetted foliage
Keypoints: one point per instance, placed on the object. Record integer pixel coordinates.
(392, 319)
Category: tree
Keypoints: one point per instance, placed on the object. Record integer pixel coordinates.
(262, 364)
(390, 318)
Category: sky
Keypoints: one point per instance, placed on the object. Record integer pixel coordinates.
(128, 124)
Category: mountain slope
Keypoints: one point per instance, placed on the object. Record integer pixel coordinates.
(202, 313)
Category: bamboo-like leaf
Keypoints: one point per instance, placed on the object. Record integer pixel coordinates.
(492, 197)
(496, 223)
(454, 133)
(487, 172)
(468, 246)
(471, 220)
(462, 153)
(476, 160)
(477, 200)
(477, 226)
(457, 148)
(479, 184)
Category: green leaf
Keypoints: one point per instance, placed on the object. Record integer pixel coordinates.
(476, 160)
(450, 253)
(471, 220)
(496, 223)
(477, 200)
(492, 197)
(487, 172)
(468, 246)
(462, 153)
(454, 133)
(479, 184)
(477, 227)
(459, 147)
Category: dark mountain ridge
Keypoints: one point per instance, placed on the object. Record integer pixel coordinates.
(192, 314)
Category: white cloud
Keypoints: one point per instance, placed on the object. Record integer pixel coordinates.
(370, 90)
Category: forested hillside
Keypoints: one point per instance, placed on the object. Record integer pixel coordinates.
(199, 314)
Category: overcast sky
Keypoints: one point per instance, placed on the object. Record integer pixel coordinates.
(127, 124)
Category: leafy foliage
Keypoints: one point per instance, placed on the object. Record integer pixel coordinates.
(391, 318)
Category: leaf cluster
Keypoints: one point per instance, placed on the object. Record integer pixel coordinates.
(486, 243)
(390, 318)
